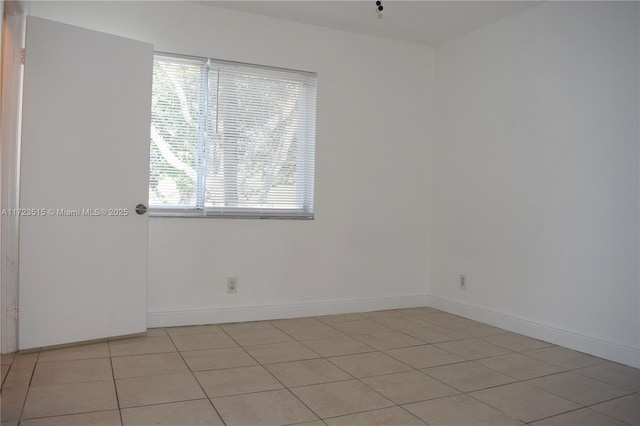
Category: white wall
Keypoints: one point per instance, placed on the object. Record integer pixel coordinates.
(368, 243)
(535, 176)
(530, 186)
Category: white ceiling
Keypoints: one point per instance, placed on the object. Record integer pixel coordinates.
(423, 22)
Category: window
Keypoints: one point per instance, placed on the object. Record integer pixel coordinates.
(231, 140)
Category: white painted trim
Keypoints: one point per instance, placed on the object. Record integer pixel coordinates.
(539, 330)
(13, 40)
(267, 312)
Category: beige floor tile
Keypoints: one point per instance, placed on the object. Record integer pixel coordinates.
(563, 357)
(214, 359)
(234, 381)
(412, 386)
(462, 323)
(369, 364)
(73, 371)
(389, 340)
(402, 322)
(616, 374)
(517, 342)
(263, 409)
(148, 365)
(337, 347)
(424, 356)
(520, 366)
(459, 410)
(12, 402)
(244, 326)
(383, 417)
(525, 402)
(473, 348)
(141, 346)
(340, 398)
(476, 329)
(313, 423)
(94, 350)
(468, 376)
(74, 385)
(193, 329)
(280, 352)
(419, 311)
(98, 418)
(27, 357)
(291, 323)
(307, 372)
(577, 388)
(314, 332)
(626, 409)
(439, 318)
(136, 391)
(19, 375)
(187, 413)
(387, 313)
(330, 319)
(583, 417)
(436, 334)
(70, 398)
(7, 359)
(195, 342)
(260, 336)
(354, 328)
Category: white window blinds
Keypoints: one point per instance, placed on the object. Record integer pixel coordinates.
(231, 140)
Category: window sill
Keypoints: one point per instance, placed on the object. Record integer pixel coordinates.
(231, 214)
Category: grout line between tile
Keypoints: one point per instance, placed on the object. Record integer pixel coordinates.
(196, 379)
(115, 387)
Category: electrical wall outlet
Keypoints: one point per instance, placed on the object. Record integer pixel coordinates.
(463, 281)
(232, 285)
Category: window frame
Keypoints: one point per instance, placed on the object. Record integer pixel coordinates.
(200, 210)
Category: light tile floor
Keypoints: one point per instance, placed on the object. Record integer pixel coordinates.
(399, 367)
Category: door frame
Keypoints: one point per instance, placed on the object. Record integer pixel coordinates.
(13, 36)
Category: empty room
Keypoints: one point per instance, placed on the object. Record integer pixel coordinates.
(320, 213)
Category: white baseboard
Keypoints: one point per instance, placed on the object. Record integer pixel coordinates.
(267, 312)
(548, 332)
